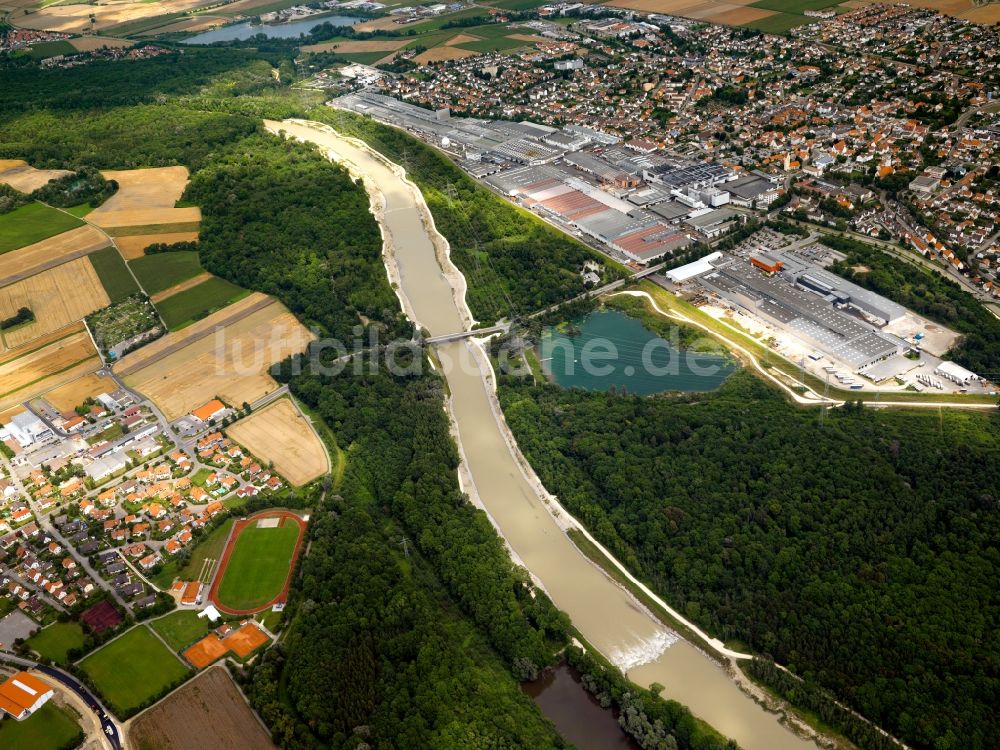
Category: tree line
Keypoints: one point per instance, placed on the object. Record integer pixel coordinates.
(857, 548)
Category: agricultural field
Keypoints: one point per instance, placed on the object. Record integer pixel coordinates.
(55, 641)
(209, 711)
(114, 274)
(50, 252)
(57, 297)
(164, 270)
(769, 16)
(91, 43)
(191, 305)
(33, 223)
(232, 365)
(352, 45)
(145, 197)
(257, 563)
(49, 728)
(181, 628)
(68, 397)
(45, 364)
(133, 246)
(280, 434)
(133, 669)
(19, 175)
(74, 18)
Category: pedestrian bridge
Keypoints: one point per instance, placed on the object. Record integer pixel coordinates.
(503, 328)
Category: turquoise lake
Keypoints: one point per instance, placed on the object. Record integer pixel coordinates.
(610, 349)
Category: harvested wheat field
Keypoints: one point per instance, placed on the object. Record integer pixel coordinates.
(173, 342)
(463, 39)
(19, 175)
(209, 711)
(74, 18)
(90, 43)
(51, 252)
(57, 297)
(279, 433)
(26, 373)
(988, 14)
(229, 360)
(145, 197)
(528, 38)
(198, 23)
(68, 397)
(439, 54)
(739, 16)
(369, 45)
(133, 246)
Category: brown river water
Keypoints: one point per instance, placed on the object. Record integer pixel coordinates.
(610, 618)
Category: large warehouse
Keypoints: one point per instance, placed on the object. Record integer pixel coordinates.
(805, 314)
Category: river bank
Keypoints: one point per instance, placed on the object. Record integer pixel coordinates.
(531, 520)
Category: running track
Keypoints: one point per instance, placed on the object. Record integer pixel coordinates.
(213, 594)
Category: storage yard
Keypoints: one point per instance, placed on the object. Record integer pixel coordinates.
(842, 333)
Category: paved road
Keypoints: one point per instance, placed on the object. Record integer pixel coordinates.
(46, 525)
(111, 731)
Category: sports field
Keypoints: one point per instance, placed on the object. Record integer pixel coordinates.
(279, 434)
(114, 274)
(186, 307)
(33, 223)
(258, 562)
(132, 669)
(49, 728)
(56, 640)
(164, 270)
(203, 561)
(57, 297)
(181, 628)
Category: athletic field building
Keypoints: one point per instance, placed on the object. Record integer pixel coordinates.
(22, 695)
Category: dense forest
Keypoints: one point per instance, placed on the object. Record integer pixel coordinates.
(401, 569)
(279, 217)
(514, 263)
(929, 294)
(857, 548)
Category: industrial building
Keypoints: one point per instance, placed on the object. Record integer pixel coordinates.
(821, 321)
(23, 694)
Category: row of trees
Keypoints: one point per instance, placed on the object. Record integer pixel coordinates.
(857, 548)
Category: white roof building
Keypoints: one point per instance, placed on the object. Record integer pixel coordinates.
(955, 373)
